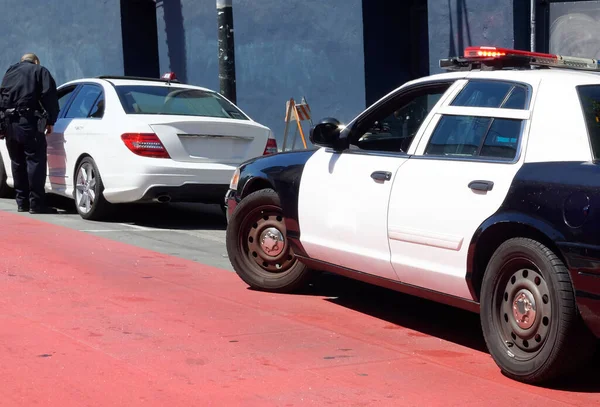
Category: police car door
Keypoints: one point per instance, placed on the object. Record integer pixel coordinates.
(343, 198)
(459, 176)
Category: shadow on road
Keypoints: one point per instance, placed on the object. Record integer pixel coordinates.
(430, 318)
(180, 216)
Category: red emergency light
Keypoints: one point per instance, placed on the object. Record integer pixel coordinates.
(169, 76)
(499, 58)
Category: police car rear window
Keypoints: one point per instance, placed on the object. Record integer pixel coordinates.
(493, 94)
(589, 96)
(171, 100)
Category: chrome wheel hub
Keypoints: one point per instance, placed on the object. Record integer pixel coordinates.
(85, 188)
(524, 310)
(272, 242)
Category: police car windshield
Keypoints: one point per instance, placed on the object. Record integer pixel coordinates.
(171, 100)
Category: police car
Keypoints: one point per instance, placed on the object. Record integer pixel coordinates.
(125, 139)
(478, 187)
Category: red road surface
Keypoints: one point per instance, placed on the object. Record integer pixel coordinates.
(86, 321)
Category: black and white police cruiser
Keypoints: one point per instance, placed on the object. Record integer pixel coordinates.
(478, 188)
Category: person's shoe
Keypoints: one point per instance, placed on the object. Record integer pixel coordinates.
(23, 209)
(45, 210)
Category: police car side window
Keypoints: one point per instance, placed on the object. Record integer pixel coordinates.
(475, 137)
(84, 101)
(394, 125)
(589, 97)
(493, 94)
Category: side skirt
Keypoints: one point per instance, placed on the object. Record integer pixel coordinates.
(450, 300)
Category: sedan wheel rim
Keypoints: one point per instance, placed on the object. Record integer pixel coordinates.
(85, 188)
(264, 243)
(523, 310)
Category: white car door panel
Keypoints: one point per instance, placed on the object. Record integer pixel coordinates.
(344, 197)
(433, 215)
(343, 210)
(459, 176)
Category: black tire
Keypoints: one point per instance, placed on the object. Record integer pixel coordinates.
(254, 215)
(5, 190)
(532, 348)
(100, 208)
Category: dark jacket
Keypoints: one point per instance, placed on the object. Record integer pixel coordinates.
(28, 85)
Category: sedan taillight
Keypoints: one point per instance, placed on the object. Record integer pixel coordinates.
(271, 147)
(145, 145)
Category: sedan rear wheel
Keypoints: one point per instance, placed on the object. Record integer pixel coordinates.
(89, 199)
(258, 247)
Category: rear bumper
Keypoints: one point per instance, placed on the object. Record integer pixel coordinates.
(184, 182)
(583, 262)
(200, 193)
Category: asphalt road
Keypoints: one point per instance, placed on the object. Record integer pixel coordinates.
(190, 231)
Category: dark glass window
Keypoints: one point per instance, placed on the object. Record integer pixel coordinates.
(589, 97)
(173, 100)
(470, 136)
(494, 94)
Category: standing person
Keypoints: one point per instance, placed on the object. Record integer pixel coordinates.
(29, 100)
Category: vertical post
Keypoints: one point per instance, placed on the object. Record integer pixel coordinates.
(226, 49)
(532, 25)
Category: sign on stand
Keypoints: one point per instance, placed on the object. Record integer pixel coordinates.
(299, 113)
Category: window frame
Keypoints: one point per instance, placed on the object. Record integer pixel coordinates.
(74, 89)
(74, 96)
(447, 109)
(357, 127)
(512, 84)
(182, 88)
(578, 88)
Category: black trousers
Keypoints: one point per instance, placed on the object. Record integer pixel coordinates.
(27, 148)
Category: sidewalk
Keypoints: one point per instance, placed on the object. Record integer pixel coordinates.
(86, 321)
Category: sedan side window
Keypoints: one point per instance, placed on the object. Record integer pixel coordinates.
(63, 97)
(393, 126)
(84, 102)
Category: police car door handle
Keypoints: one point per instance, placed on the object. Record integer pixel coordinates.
(381, 175)
(479, 185)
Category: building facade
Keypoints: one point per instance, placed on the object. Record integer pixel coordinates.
(342, 55)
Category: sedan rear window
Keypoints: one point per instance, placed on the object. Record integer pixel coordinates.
(589, 96)
(171, 100)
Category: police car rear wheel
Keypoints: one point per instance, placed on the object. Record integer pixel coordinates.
(529, 315)
(89, 200)
(258, 248)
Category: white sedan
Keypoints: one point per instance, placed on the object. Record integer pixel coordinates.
(124, 140)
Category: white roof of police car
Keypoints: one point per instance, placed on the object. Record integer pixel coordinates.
(575, 77)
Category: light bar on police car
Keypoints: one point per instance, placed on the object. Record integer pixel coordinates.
(496, 55)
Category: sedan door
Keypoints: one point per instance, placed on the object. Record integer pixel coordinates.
(344, 197)
(57, 160)
(83, 129)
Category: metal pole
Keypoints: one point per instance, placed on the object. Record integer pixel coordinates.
(532, 25)
(226, 49)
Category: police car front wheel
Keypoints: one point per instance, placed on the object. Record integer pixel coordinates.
(258, 248)
(529, 315)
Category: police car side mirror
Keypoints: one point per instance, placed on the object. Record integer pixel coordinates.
(327, 134)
